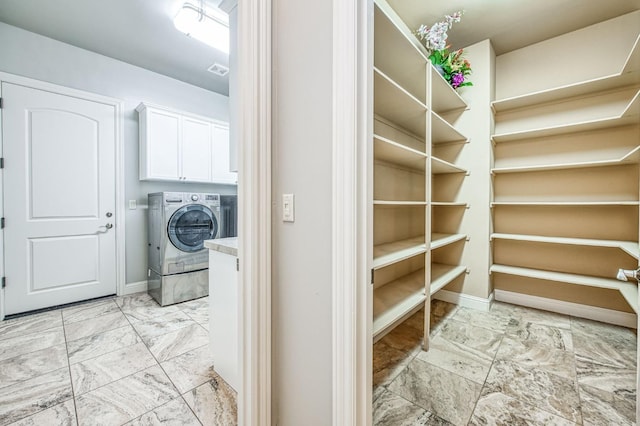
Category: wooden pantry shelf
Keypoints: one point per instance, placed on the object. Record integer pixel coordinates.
(628, 290)
(398, 203)
(393, 152)
(439, 166)
(445, 98)
(630, 158)
(396, 300)
(390, 253)
(629, 247)
(398, 106)
(628, 112)
(443, 132)
(629, 75)
(565, 203)
(440, 240)
(448, 204)
(397, 53)
(442, 275)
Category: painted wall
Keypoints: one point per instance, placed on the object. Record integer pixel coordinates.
(301, 286)
(592, 52)
(475, 189)
(31, 55)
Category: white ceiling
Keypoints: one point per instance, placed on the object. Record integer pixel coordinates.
(511, 24)
(141, 32)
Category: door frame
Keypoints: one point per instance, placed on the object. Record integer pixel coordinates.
(119, 172)
(352, 213)
(351, 182)
(253, 130)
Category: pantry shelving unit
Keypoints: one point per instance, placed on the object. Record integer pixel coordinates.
(414, 112)
(566, 189)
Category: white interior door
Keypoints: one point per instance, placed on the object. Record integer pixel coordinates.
(59, 198)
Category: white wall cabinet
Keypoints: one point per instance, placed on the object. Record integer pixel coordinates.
(176, 146)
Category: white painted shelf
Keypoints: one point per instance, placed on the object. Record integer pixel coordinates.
(628, 75)
(408, 59)
(398, 106)
(445, 98)
(628, 112)
(439, 166)
(628, 290)
(443, 132)
(629, 247)
(630, 158)
(448, 204)
(440, 240)
(398, 203)
(396, 300)
(390, 253)
(441, 275)
(565, 203)
(396, 153)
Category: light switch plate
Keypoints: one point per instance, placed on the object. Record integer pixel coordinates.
(133, 205)
(288, 208)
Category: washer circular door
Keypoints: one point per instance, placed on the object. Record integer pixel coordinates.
(190, 226)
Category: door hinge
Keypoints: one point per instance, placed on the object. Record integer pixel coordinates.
(238, 264)
(4, 282)
(1, 162)
(1, 103)
(2, 223)
(373, 272)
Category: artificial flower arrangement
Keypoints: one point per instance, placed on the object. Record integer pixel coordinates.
(452, 65)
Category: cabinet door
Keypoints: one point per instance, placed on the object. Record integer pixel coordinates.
(162, 145)
(196, 150)
(221, 166)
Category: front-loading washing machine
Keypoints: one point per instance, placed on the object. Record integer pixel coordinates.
(179, 223)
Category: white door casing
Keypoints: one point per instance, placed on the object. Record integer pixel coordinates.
(61, 179)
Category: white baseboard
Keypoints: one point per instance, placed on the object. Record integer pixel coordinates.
(137, 287)
(609, 316)
(465, 300)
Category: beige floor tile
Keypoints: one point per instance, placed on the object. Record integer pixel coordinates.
(126, 399)
(190, 369)
(167, 346)
(78, 330)
(102, 343)
(59, 415)
(214, 403)
(20, 345)
(95, 372)
(174, 413)
(32, 396)
(21, 326)
(32, 365)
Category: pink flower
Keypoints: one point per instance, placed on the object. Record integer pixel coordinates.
(457, 79)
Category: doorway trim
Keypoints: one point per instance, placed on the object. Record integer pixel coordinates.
(119, 172)
(352, 214)
(254, 210)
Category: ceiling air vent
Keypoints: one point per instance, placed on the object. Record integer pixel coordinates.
(218, 69)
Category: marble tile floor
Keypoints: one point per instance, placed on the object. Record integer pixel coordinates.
(509, 366)
(114, 361)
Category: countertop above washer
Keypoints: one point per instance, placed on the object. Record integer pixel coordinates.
(223, 245)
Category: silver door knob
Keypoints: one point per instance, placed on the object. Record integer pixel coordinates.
(108, 226)
(625, 274)
(109, 214)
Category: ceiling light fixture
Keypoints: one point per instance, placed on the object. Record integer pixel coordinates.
(207, 24)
